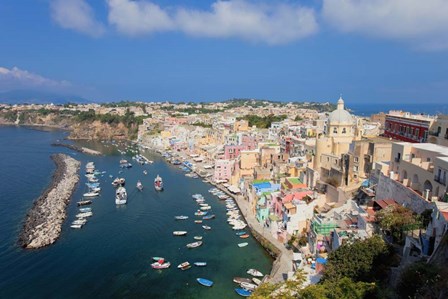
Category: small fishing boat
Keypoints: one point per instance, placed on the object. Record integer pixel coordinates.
(198, 221)
(194, 244)
(81, 221)
(200, 264)
(197, 237)
(84, 202)
(200, 213)
(248, 286)
(239, 280)
(90, 194)
(184, 266)
(206, 227)
(256, 280)
(84, 215)
(254, 272)
(158, 183)
(158, 265)
(205, 282)
(139, 185)
(208, 217)
(205, 208)
(145, 172)
(243, 292)
(157, 258)
(181, 217)
(245, 236)
(179, 233)
(240, 233)
(76, 226)
(243, 244)
(83, 210)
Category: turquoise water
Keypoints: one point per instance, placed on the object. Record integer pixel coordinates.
(111, 255)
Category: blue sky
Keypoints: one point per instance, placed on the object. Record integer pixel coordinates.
(369, 50)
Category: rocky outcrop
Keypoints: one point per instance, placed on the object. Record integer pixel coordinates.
(43, 222)
(98, 130)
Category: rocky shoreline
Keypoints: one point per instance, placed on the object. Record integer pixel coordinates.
(43, 222)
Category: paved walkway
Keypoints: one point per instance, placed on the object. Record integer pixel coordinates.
(283, 263)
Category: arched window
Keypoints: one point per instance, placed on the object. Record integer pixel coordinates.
(344, 131)
(335, 130)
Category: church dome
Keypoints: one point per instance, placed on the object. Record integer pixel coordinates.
(340, 115)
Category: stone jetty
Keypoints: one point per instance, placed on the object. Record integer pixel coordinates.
(80, 149)
(43, 222)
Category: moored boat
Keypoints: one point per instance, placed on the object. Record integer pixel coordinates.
(76, 226)
(208, 217)
(200, 264)
(248, 286)
(240, 233)
(197, 237)
(254, 272)
(180, 233)
(84, 215)
(184, 266)
(243, 292)
(90, 194)
(194, 244)
(239, 280)
(181, 217)
(256, 280)
(244, 244)
(204, 282)
(245, 236)
(83, 210)
(84, 202)
(198, 221)
(206, 227)
(158, 265)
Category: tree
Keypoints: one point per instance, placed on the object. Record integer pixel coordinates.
(397, 220)
(358, 260)
(420, 280)
(343, 288)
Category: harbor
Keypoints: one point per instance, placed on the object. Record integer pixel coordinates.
(114, 249)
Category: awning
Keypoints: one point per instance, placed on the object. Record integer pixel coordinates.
(234, 189)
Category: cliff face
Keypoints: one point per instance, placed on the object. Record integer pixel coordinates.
(78, 129)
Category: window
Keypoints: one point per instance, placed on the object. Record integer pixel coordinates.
(355, 168)
(344, 131)
(355, 159)
(335, 130)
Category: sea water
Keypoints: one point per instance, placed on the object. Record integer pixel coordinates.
(110, 256)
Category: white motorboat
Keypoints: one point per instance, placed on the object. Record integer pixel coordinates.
(90, 194)
(121, 196)
(84, 215)
(243, 244)
(180, 233)
(158, 183)
(194, 244)
(139, 186)
(254, 272)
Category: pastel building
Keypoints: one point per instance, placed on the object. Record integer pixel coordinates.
(223, 170)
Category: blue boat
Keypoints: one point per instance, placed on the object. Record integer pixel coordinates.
(240, 233)
(205, 282)
(207, 217)
(243, 292)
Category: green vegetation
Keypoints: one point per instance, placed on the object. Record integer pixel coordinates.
(262, 122)
(128, 119)
(355, 270)
(397, 220)
(201, 124)
(10, 115)
(420, 280)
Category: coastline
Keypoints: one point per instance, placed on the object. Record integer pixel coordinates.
(282, 256)
(80, 149)
(43, 222)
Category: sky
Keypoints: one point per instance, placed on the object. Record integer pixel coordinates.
(370, 51)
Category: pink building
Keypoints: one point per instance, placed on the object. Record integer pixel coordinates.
(249, 142)
(223, 170)
(232, 152)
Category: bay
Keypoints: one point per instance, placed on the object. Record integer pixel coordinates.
(111, 255)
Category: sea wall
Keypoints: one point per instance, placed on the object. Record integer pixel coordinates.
(43, 222)
(80, 149)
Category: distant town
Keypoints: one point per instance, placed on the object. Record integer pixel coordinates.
(313, 176)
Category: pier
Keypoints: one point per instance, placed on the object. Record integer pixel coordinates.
(43, 222)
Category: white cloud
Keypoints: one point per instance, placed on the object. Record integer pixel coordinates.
(76, 15)
(138, 17)
(16, 78)
(424, 23)
(269, 23)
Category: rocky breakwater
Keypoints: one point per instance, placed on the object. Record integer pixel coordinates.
(44, 221)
